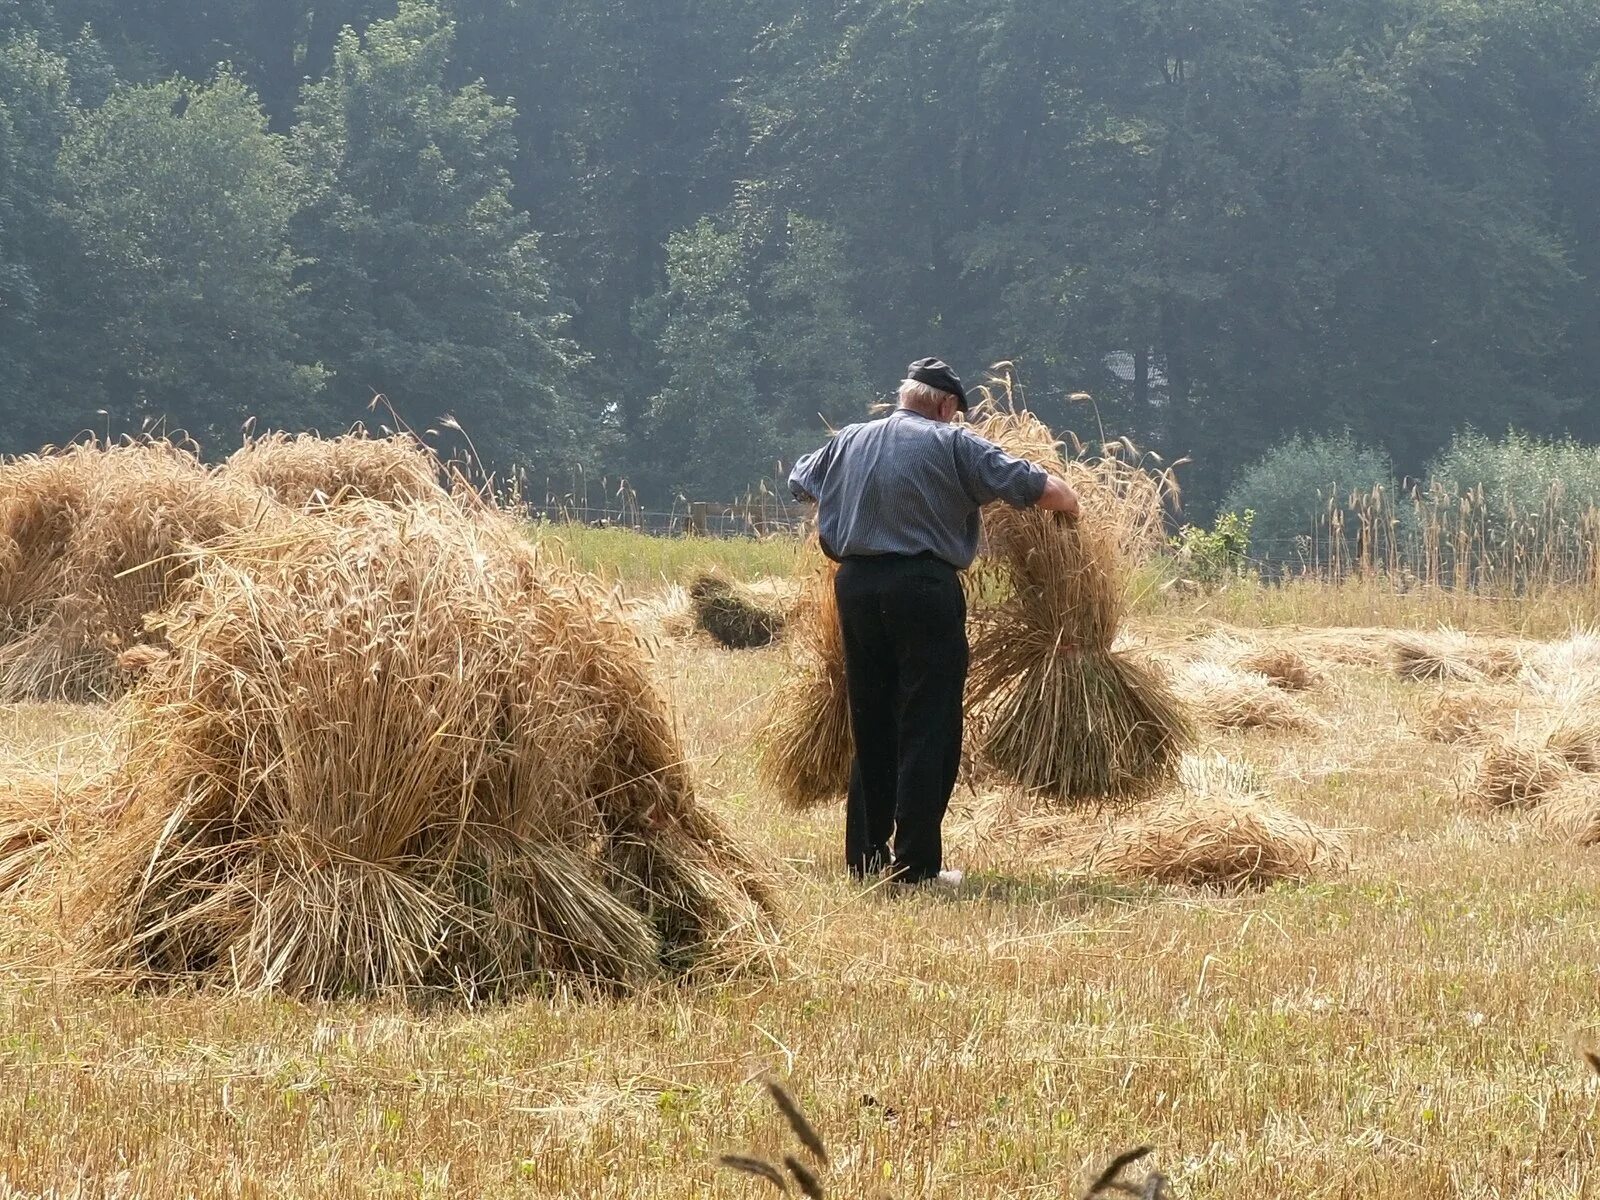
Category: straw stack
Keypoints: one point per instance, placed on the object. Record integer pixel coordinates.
(91, 540)
(733, 615)
(402, 749)
(806, 747)
(305, 471)
(1063, 712)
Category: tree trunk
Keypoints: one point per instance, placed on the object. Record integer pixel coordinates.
(278, 79)
(1180, 414)
(328, 19)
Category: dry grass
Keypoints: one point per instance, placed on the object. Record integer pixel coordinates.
(91, 541)
(1449, 654)
(1061, 710)
(1465, 714)
(305, 471)
(1282, 664)
(1571, 810)
(807, 746)
(402, 750)
(1519, 763)
(1397, 1030)
(665, 614)
(1345, 646)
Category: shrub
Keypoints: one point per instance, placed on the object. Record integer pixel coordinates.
(1289, 487)
(1520, 478)
(1210, 556)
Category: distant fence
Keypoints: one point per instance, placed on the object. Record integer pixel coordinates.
(757, 516)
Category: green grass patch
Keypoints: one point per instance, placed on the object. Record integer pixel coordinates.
(629, 557)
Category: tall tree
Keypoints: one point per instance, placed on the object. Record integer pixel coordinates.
(181, 200)
(714, 432)
(35, 110)
(426, 282)
(624, 116)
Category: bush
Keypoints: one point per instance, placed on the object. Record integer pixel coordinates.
(1209, 557)
(1520, 477)
(1289, 487)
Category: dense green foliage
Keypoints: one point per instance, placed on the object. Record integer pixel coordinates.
(1229, 220)
(1291, 486)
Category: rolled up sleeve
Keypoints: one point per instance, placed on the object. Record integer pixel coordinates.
(989, 473)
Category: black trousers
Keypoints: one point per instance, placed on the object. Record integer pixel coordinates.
(905, 651)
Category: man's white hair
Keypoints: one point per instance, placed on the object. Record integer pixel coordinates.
(922, 395)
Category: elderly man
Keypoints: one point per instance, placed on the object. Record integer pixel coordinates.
(897, 508)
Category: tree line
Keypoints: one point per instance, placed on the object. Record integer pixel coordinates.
(671, 240)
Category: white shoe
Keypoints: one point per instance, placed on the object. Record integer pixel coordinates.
(949, 880)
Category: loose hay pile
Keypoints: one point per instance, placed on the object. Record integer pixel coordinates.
(666, 614)
(1352, 646)
(90, 542)
(304, 471)
(1227, 698)
(733, 614)
(1449, 654)
(1463, 715)
(1519, 765)
(1219, 830)
(806, 746)
(1063, 713)
(1571, 810)
(1283, 665)
(403, 750)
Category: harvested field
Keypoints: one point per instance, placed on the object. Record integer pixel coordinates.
(1399, 1027)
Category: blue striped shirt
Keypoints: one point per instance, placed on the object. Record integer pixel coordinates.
(910, 485)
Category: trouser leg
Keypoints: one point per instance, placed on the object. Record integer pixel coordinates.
(927, 614)
(871, 677)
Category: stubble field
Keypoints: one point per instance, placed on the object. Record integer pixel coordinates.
(1409, 1027)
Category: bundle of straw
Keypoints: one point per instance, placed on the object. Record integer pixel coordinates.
(1449, 654)
(1220, 829)
(734, 616)
(1229, 698)
(404, 749)
(1465, 714)
(91, 541)
(1064, 712)
(1518, 764)
(1283, 665)
(806, 746)
(305, 471)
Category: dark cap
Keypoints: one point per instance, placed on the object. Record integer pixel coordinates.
(936, 374)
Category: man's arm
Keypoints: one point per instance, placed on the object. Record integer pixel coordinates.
(805, 481)
(1059, 497)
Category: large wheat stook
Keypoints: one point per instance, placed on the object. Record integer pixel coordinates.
(396, 747)
(1063, 712)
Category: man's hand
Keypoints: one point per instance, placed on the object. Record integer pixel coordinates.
(1060, 499)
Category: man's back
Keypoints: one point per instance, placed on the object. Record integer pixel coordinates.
(910, 485)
